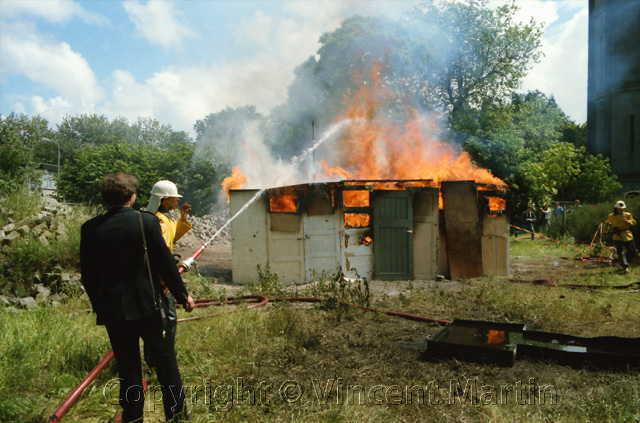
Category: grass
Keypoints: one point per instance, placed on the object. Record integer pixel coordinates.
(298, 362)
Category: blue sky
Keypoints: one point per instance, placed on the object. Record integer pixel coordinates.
(180, 61)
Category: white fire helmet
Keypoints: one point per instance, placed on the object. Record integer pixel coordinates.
(620, 205)
(161, 189)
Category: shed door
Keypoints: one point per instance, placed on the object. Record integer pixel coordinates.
(321, 245)
(286, 247)
(393, 237)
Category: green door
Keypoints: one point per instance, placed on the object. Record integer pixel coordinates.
(393, 235)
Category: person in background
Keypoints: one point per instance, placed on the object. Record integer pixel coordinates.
(121, 278)
(620, 222)
(576, 206)
(546, 218)
(557, 211)
(163, 200)
(527, 218)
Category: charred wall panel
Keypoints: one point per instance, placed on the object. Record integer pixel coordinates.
(495, 245)
(425, 234)
(463, 229)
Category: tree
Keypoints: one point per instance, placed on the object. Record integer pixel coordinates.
(479, 54)
(22, 149)
(522, 143)
(324, 83)
(149, 131)
(594, 182)
(220, 136)
(79, 182)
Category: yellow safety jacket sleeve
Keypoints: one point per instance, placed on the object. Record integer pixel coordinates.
(620, 223)
(172, 230)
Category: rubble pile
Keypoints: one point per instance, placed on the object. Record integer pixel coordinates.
(205, 227)
(44, 226)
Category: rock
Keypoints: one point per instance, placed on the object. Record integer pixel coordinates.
(8, 228)
(61, 230)
(4, 302)
(58, 297)
(24, 230)
(27, 303)
(41, 293)
(11, 309)
(10, 238)
(43, 218)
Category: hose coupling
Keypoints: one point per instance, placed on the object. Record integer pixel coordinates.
(186, 264)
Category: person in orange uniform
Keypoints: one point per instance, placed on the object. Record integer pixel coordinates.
(620, 222)
(164, 199)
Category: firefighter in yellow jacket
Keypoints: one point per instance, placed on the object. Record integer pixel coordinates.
(163, 200)
(620, 222)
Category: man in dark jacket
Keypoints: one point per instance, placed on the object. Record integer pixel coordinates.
(117, 280)
(527, 218)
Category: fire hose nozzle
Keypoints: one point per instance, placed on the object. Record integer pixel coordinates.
(186, 264)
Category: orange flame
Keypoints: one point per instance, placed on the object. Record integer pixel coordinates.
(355, 198)
(496, 203)
(374, 148)
(283, 200)
(283, 203)
(495, 336)
(356, 220)
(236, 180)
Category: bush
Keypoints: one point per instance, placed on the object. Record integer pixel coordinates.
(18, 204)
(583, 223)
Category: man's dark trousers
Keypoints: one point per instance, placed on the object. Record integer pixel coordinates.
(125, 341)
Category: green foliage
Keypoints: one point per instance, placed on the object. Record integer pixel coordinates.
(22, 149)
(29, 255)
(561, 164)
(338, 291)
(583, 223)
(594, 182)
(522, 143)
(269, 283)
(46, 352)
(481, 54)
(19, 204)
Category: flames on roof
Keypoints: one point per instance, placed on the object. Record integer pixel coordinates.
(385, 155)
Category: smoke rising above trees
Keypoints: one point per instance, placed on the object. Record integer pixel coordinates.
(457, 64)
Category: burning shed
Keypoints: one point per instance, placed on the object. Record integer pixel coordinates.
(374, 229)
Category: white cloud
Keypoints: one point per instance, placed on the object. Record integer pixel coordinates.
(543, 12)
(57, 11)
(563, 70)
(182, 95)
(157, 22)
(50, 64)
